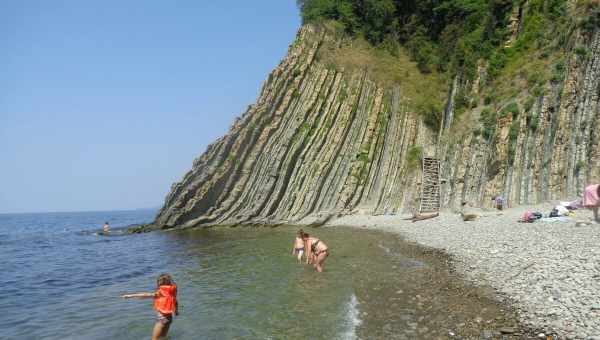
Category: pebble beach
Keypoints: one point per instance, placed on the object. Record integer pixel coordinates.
(549, 272)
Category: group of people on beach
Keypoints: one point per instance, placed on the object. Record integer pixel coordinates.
(590, 200)
(311, 248)
(314, 250)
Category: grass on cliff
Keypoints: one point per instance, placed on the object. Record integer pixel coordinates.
(421, 47)
(523, 71)
(425, 93)
(537, 56)
(414, 157)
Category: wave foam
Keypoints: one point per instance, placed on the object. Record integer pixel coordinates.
(352, 318)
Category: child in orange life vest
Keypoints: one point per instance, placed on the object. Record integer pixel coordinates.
(165, 304)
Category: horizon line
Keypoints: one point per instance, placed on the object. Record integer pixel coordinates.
(77, 211)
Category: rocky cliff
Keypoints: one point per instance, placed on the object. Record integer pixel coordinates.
(335, 130)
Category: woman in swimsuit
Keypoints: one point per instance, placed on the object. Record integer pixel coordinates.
(298, 247)
(316, 251)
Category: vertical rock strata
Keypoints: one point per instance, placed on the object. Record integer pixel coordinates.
(321, 141)
(554, 158)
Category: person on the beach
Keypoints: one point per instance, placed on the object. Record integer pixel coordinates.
(165, 304)
(298, 247)
(591, 199)
(498, 202)
(106, 228)
(316, 251)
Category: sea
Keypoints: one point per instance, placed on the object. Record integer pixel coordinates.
(61, 278)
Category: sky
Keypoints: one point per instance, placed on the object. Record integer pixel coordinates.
(104, 104)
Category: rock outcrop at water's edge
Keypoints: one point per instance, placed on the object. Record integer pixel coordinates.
(322, 141)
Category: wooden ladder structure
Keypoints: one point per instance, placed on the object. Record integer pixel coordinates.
(430, 186)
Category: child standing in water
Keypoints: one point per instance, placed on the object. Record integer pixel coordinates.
(298, 247)
(165, 304)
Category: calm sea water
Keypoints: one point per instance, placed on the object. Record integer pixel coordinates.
(60, 280)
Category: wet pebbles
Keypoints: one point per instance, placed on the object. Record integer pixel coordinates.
(548, 272)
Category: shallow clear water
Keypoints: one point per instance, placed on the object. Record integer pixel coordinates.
(59, 280)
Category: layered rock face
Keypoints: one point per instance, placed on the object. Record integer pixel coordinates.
(554, 151)
(321, 141)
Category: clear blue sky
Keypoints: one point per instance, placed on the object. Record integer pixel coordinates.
(104, 104)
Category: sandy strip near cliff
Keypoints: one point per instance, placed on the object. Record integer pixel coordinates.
(549, 271)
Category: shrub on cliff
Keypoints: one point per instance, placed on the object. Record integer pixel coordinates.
(436, 33)
(446, 34)
(488, 124)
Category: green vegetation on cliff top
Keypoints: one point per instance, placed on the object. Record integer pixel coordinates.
(420, 45)
(448, 34)
(424, 92)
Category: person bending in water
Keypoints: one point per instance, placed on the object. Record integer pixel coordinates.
(106, 228)
(298, 247)
(316, 251)
(165, 304)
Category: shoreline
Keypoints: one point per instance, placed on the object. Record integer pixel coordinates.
(548, 272)
(490, 317)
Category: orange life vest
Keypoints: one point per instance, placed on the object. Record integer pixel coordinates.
(166, 299)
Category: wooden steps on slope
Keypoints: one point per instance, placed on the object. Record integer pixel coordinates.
(430, 186)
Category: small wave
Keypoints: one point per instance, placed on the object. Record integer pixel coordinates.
(352, 319)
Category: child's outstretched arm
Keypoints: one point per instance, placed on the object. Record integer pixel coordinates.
(139, 295)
